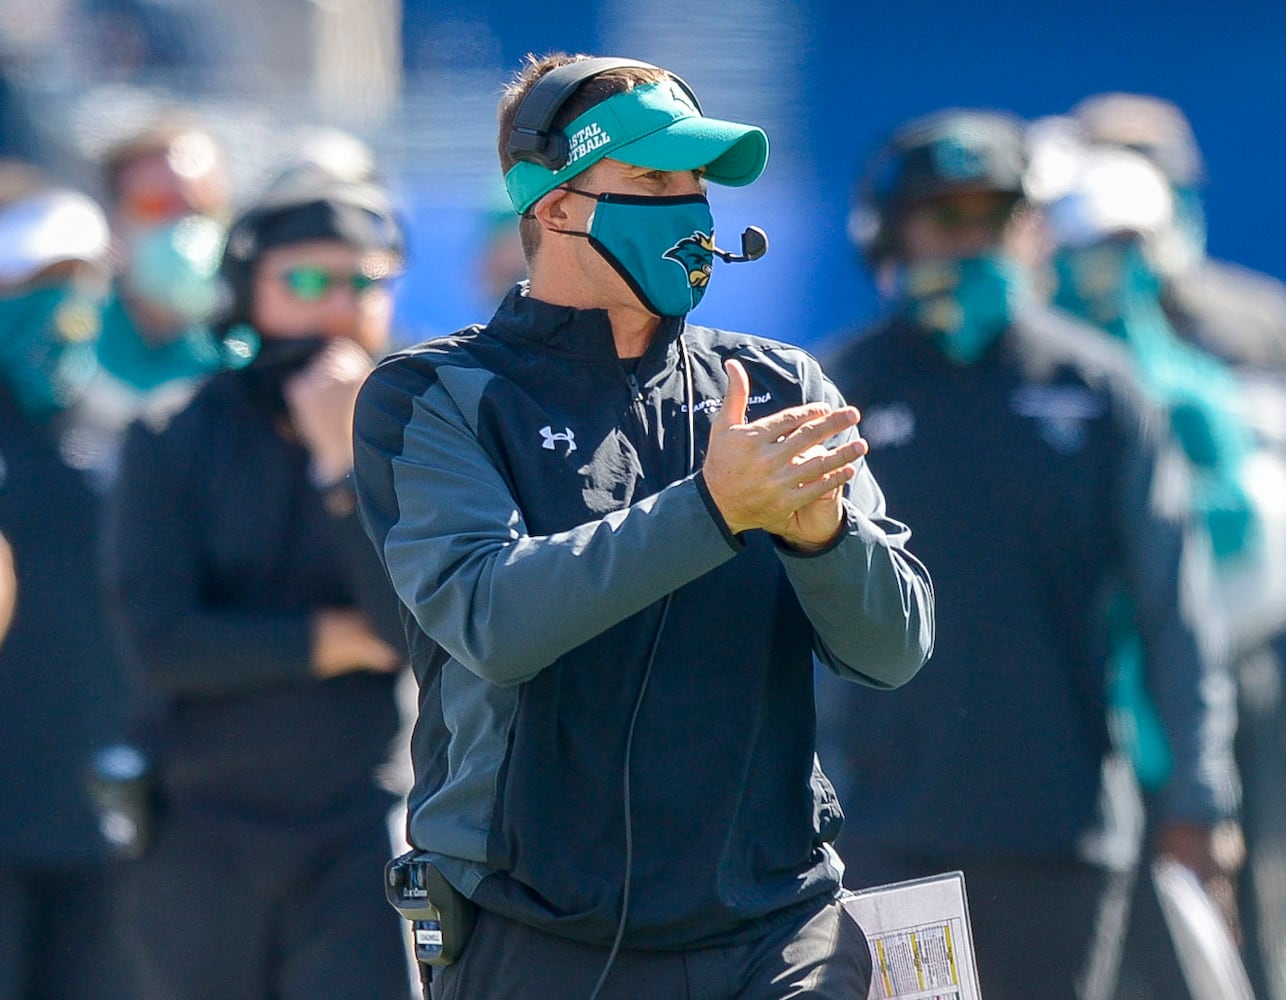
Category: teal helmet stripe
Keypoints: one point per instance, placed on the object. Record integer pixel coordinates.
(653, 125)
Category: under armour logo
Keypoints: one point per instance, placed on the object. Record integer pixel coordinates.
(550, 437)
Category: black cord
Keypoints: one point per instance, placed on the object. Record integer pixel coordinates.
(638, 701)
(629, 824)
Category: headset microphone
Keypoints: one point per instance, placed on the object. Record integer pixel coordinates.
(754, 244)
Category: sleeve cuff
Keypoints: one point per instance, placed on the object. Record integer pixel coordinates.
(733, 540)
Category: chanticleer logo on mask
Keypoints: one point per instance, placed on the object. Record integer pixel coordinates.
(694, 254)
(643, 237)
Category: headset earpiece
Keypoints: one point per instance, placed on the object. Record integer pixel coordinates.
(871, 227)
(533, 138)
(235, 269)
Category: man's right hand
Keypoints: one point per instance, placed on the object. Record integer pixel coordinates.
(321, 397)
(776, 473)
(343, 642)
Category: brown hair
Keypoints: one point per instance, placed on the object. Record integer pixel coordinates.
(593, 91)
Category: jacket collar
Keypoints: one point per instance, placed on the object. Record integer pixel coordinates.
(579, 334)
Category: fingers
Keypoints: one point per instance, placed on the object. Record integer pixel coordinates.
(824, 483)
(737, 397)
(801, 427)
(804, 425)
(819, 462)
(762, 474)
(341, 361)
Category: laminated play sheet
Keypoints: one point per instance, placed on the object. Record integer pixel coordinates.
(921, 942)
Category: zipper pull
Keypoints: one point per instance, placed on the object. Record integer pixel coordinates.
(636, 390)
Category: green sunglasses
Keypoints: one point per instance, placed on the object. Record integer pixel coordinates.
(312, 284)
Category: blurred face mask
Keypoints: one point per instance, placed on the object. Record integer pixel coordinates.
(174, 266)
(47, 346)
(964, 304)
(268, 363)
(661, 246)
(1106, 283)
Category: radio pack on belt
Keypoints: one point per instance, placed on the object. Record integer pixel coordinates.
(441, 916)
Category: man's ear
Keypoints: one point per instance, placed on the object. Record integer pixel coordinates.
(550, 210)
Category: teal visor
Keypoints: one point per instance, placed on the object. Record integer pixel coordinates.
(653, 126)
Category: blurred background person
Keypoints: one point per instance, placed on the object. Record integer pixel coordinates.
(500, 262)
(1118, 227)
(1111, 231)
(62, 692)
(1234, 312)
(264, 630)
(326, 154)
(1239, 315)
(1018, 431)
(169, 201)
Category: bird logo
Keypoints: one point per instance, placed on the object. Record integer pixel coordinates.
(694, 254)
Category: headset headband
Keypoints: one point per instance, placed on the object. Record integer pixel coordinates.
(533, 138)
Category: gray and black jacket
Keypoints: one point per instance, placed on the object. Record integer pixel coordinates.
(532, 499)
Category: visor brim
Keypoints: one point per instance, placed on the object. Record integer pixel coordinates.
(729, 153)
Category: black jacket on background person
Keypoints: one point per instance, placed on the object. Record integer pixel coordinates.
(1031, 479)
(220, 550)
(62, 695)
(61, 686)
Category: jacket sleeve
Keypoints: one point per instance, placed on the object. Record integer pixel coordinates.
(171, 634)
(870, 601)
(459, 553)
(369, 582)
(1189, 675)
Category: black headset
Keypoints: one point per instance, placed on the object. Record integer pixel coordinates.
(533, 138)
(242, 248)
(878, 194)
(870, 223)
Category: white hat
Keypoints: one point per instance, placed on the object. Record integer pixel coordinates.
(1113, 192)
(47, 228)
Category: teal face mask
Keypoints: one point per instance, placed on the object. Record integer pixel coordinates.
(963, 304)
(1105, 283)
(663, 247)
(47, 352)
(175, 266)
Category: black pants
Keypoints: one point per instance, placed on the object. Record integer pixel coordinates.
(58, 937)
(1151, 967)
(1261, 751)
(221, 910)
(818, 953)
(1042, 928)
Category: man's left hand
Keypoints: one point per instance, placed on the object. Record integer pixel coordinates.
(777, 473)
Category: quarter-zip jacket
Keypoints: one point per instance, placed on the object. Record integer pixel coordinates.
(534, 505)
